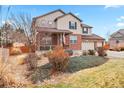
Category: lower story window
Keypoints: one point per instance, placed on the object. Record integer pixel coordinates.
(73, 39)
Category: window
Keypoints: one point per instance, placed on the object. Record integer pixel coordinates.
(46, 39)
(72, 25)
(73, 39)
(50, 22)
(85, 30)
(117, 41)
(43, 22)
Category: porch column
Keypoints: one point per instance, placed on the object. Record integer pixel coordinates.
(64, 38)
(58, 40)
(61, 40)
(102, 43)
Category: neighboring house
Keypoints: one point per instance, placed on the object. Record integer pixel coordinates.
(116, 40)
(65, 29)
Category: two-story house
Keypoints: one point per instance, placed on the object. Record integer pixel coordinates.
(64, 29)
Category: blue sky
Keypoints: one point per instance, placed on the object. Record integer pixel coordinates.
(103, 18)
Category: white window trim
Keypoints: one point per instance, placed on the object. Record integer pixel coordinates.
(73, 39)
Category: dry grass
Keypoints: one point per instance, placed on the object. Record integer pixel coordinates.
(108, 75)
(15, 51)
(11, 75)
(6, 77)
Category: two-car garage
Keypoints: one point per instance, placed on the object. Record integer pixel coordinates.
(91, 42)
(88, 45)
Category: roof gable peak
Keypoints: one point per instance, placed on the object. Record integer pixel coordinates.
(68, 14)
(50, 13)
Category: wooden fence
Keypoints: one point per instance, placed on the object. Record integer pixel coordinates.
(4, 54)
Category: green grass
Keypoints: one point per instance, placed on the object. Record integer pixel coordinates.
(91, 72)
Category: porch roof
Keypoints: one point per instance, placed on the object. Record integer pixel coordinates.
(92, 37)
(52, 30)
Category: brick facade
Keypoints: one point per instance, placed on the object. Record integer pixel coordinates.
(77, 45)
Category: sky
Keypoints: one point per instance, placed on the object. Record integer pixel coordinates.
(104, 19)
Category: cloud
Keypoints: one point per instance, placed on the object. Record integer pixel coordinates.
(120, 24)
(77, 14)
(7, 21)
(111, 6)
(121, 18)
(3, 22)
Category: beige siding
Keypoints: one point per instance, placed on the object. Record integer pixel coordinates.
(89, 32)
(48, 20)
(99, 44)
(63, 23)
(113, 43)
(118, 35)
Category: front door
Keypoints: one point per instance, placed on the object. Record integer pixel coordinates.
(54, 39)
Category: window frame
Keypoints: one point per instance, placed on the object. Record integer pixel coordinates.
(85, 31)
(73, 39)
(72, 25)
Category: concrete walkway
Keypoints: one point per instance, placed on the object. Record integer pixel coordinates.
(115, 54)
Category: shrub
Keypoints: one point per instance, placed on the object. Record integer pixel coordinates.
(91, 52)
(106, 46)
(101, 51)
(15, 51)
(31, 61)
(24, 49)
(70, 52)
(59, 59)
(85, 53)
(122, 49)
(117, 49)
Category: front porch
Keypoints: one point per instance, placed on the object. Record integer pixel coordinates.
(47, 39)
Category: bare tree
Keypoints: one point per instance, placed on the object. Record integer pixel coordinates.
(108, 34)
(3, 31)
(24, 22)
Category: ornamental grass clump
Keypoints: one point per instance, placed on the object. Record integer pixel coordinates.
(59, 59)
(7, 79)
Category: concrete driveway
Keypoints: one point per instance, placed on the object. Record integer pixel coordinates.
(115, 54)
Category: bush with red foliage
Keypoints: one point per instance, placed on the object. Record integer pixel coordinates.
(59, 59)
(101, 51)
(24, 49)
(106, 46)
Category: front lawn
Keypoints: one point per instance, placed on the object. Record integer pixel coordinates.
(89, 72)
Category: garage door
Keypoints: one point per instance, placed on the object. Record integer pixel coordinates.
(88, 46)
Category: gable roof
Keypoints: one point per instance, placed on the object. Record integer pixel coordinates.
(50, 13)
(121, 32)
(68, 14)
(85, 25)
(52, 30)
(92, 37)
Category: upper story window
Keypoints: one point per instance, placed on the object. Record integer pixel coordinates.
(50, 22)
(73, 39)
(43, 22)
(85, 30)
(72, 25)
